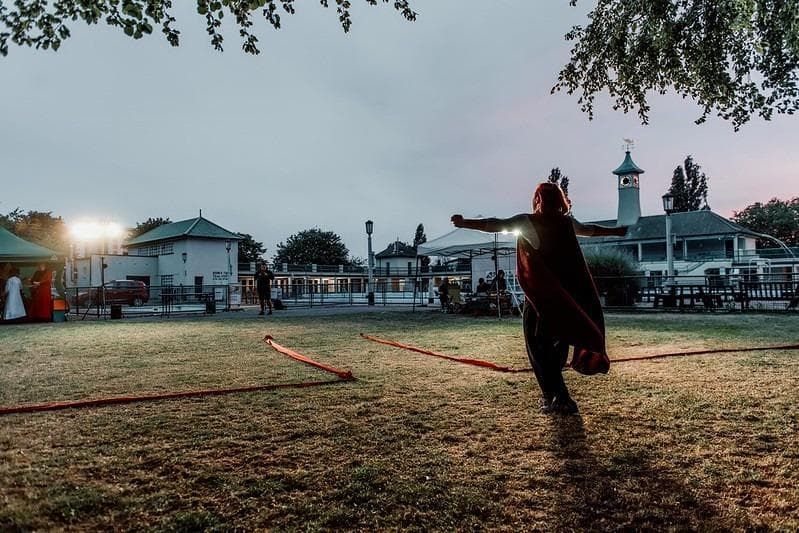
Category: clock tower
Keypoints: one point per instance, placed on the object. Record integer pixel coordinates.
(628, 175)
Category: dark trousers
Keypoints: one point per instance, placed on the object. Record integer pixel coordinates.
(265, 297)
(547, 356)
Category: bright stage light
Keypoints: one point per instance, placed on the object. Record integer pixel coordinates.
(92, 230)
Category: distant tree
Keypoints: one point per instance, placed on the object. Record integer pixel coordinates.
(250, 250)
(39, 227)
(556, 177)
(313, 246)
(689, 187)
(421, 238)
(149, 224)
(778, 218)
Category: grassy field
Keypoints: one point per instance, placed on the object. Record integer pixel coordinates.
(706, 442)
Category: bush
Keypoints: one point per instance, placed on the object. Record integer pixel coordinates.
(615, 273)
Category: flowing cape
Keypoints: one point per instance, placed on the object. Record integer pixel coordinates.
(557, 283)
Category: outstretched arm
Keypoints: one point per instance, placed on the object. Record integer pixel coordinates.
(519, 225)
(595, 230)
(489, 225)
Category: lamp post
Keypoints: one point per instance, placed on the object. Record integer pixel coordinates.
(228, 246)
(185, 256)
(370, 291)
(668, 207)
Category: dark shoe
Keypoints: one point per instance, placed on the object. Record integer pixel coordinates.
(564, 406)
(261, 313)
(270, 312)
(545, 404)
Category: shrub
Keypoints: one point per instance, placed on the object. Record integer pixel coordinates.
(615, 273)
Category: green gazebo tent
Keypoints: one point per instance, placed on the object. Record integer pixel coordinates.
(14, 249)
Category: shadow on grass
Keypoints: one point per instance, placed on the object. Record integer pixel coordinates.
(626, 489)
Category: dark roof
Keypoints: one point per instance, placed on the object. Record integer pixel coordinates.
(194, 227)
(397, 249)
(628, 167)
(688, 224)
(13, 248)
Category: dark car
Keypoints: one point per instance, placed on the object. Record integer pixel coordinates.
(121, 291)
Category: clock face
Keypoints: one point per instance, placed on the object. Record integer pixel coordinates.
(630, 180)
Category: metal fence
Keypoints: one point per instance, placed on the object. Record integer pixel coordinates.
(751, 292)
(110, 301)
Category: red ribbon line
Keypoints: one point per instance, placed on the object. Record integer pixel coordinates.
(464, 360)
(117, 400)
(346, 375)
(500, 368)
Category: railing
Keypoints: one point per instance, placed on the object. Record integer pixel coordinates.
(747, 292)
(343, 270)
(112, 302)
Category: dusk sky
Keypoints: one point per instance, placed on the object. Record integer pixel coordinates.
(398, 122)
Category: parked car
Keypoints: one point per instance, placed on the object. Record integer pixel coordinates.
(125, 291)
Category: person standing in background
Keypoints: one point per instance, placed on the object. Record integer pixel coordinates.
(263, 284)
(14, 308)
(41, 295)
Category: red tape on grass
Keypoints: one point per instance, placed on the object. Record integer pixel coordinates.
(499, 368)
(707, 352)
(118, 400)
(464, 360)
(346, 375)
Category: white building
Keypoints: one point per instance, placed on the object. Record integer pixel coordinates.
(188, 253)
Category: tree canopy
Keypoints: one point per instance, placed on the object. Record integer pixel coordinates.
(250, 250)
(734, 58)
(313, 246)
(39, 227)
(44, 24)
(689, 187)
(149, 224)
(778, 218)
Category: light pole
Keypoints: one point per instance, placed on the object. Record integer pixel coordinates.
(228, 246)
(668, 207)
(370, 291)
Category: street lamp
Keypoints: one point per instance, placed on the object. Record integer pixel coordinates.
(668, 207)
(184, 256)
(370, 291)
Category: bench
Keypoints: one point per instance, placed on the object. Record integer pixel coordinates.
(689, 297)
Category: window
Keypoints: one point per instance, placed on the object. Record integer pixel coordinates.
(220, 276)
(167, 248)
(167, 280)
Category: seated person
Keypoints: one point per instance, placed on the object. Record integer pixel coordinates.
(499, 284)
(482, 286)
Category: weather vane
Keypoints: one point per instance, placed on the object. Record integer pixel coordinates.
(628, 144)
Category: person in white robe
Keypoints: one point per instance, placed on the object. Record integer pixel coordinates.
(14, 307)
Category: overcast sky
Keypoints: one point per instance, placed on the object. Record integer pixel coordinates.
(398, 122)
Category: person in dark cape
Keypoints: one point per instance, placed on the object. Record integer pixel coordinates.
(561, 307)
